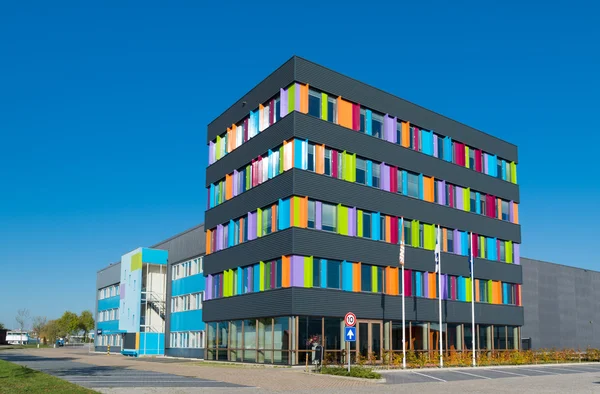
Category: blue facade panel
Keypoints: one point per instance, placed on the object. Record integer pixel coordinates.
(109, 327)
(283, 221)
(187, 321)
(152, 343)
(154, 256)
(109, 303)
(346, 276)
(187, 285)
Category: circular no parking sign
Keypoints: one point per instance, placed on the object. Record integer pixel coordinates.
(350, 319)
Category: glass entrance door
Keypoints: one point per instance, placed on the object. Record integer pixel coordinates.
(369, 335)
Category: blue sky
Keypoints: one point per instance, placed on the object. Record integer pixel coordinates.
(104, 107)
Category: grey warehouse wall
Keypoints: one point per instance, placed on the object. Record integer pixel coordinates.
(562, 308)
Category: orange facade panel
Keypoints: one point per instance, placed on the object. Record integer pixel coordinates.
(406, 134)
(428, 189)
(304, 99)
(285, 271)
(356, 277)
(208, 242)
(344, 113)
(320, 159)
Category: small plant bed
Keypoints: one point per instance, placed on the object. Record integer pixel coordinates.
(355, 372)
(18, 379)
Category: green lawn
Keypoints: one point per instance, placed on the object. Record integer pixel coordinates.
(17, 379)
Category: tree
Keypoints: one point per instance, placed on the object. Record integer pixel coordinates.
(68, 323)
(38, 324)
(86, 323)
(2, 327)
(51, 331)
(22, 318)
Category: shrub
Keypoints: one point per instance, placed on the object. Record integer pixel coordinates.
(355, 372)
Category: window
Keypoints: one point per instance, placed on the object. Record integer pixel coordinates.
(505, 211)
(421, 235)
(450, 241)
(412, 138)
(311, 214)
(400, 180)
(508, 173)
(316, 272)
(377, 125)
(440, 146)
(375, 175)
(399, 133)
(472, 158)
(225, 236)
(499, 168)
(361, 171)
(334, 274)
(314, 103)
(380, 279)
(331, 109)
(482, 205)
(413, 185)
(407, 232)
(366, 278)
(483, 284)
(267, 221)
(277, 110)
(366, 225)
(310, 166)
(502, 251)
(473, 202)
(340, 166)
(327, 169)
(363, 120)
(329, 217)
(382, 228)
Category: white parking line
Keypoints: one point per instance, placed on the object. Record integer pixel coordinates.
(509, 373)
(472, 374)
(572, 370)
(427, 376)
(544, 372)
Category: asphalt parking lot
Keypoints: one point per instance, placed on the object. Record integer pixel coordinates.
(98, 377)
(485, 373)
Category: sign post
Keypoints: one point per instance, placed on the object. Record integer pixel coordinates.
(349, 333)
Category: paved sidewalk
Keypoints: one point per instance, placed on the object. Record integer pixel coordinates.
(264, 378)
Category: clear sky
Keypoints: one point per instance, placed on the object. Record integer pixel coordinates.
(103, 114)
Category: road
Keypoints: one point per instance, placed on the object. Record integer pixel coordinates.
(118, 375)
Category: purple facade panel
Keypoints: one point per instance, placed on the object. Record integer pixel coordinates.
(251, 226)
(352, 221)
(283, 102)
(318, 208)
(297, 270)
(209, 288)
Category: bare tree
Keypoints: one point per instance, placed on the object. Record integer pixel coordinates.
(39, 322)
(22, 319)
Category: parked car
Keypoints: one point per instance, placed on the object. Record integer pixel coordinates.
(60, 342)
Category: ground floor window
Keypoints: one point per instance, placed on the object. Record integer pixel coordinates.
(292, 340)
(108, 340)
(187, 339)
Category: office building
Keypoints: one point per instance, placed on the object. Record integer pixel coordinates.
(150, 303)
(313, 180)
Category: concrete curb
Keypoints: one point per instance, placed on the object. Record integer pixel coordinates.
(376, 381)
(399, 370)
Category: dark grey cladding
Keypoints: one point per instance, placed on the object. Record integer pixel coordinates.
(561, 305)
(319, 131)
(334, 303)
(327, 189)
(319, 77)
(308, 242)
